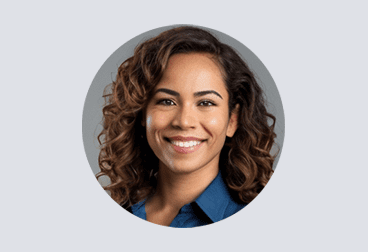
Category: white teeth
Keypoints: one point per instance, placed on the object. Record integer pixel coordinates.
(186, 144)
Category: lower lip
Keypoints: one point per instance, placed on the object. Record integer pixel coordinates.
(186, 150)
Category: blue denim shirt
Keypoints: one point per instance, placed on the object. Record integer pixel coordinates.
(213, 205)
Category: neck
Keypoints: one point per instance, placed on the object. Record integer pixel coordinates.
(174, 190)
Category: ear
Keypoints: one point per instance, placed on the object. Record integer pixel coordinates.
(233, 123)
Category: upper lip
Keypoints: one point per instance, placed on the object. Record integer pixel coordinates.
(182, 138)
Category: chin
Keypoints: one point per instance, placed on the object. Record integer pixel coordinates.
(182, 167)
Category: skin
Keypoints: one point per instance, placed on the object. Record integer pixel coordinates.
(178, 108)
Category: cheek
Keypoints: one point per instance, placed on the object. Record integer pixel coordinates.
(216, 124)
(157, 122)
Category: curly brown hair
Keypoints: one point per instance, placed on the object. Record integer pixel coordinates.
(125, 156)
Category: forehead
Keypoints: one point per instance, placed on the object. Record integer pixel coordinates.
(191, 60)
(192, 72)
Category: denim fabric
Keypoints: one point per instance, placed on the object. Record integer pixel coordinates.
(213, 205)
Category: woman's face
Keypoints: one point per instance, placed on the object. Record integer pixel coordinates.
(187, 119)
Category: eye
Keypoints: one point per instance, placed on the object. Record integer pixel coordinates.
(166, 102)
(206, 103)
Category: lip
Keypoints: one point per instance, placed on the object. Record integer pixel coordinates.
(181, 138)
(185, 150)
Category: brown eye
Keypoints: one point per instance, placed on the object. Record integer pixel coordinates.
(166, 102)
(206, 103)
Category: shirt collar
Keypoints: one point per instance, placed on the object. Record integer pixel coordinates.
(214, 202)
(216, 199)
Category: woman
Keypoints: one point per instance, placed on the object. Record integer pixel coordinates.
(186, 140)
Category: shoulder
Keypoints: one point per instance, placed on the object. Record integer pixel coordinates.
(217, 202)
(138, 209)
(232, 208)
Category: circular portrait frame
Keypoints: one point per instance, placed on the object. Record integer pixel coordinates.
(92, 113)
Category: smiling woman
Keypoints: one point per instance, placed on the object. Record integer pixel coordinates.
(188, 109)
(186, 140)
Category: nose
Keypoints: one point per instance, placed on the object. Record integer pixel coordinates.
(185, 117)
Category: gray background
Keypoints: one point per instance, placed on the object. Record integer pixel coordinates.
(92, 113)
(317, 54)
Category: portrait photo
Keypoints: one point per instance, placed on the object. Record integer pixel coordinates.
(183, 126)
(162, 126)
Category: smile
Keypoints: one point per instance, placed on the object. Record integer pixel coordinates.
(186, 144)
(185, 147)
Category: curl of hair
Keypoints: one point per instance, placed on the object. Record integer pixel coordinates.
(125, 155)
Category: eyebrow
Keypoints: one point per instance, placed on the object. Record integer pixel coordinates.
(168, 91)
(202, 93)
(196, 94)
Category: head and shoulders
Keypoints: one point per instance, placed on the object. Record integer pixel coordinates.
(185, 125)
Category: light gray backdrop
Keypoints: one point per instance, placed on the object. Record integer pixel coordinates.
(316, 52)
(92, 113)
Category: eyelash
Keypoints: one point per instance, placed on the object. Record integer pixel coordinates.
(162, 102)
(208, 102)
